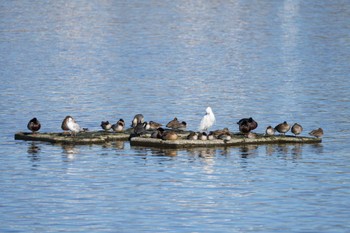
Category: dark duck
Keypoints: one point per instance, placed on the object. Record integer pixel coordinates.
(34, 125)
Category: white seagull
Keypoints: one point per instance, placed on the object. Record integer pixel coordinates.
(208, 120)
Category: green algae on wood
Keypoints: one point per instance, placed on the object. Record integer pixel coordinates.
(88, 137)
(236, 140)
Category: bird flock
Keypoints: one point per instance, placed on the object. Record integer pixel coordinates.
(140, 127)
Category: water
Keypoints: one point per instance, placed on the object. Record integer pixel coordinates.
(105, 60)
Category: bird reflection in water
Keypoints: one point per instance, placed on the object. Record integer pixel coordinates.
(119, 144)
(33, 148)
(317, 148)
(285, 150)
(116, 145)
(296, 150)
(169, 152)
(69, 151)
(33, 151)
(270, 149)
(206, 153)
(282, 149)
(224, 152)
(164, 152)
(107, 145)
(248, 151)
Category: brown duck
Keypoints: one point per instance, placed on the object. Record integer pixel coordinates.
(297, 129)
(169, 135)
(176, 124)
(154, 125)
(282, 128)
(318, 133)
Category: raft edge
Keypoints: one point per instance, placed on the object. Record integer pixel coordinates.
(178, 144)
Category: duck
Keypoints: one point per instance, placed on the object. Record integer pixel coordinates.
(248, 121)
(282, 128)
(169, 135)
(318, 133)
(270, 131)
(219, 132)
(211, 136)
(138, 118)
(225, 136)
(252, 124)
(106, 125)
(140, 128)
(64, 126)
(73, 126)
(243, 126)
(34, 125)
(154, 125)
(208, 120)
(192, 136)
(148, 126)
(176, 124)
(297, 129)
(119, 126)
(251, 135)
(158, 133)
(202, 136)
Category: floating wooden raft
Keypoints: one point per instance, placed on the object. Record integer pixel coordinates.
(236, 140)
(100, 137)
(89, 137)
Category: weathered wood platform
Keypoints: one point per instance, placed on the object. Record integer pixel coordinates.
(236, 140)
(100, 137)
(89, 137)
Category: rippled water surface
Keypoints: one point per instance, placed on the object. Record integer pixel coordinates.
(105, 60)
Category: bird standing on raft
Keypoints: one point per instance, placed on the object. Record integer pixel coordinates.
(297, 129)
(208, 120)
(282, 128)
(73, 126)
(64, 126)
(34, 125)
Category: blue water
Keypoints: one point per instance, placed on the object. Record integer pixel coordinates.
(105, 60)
